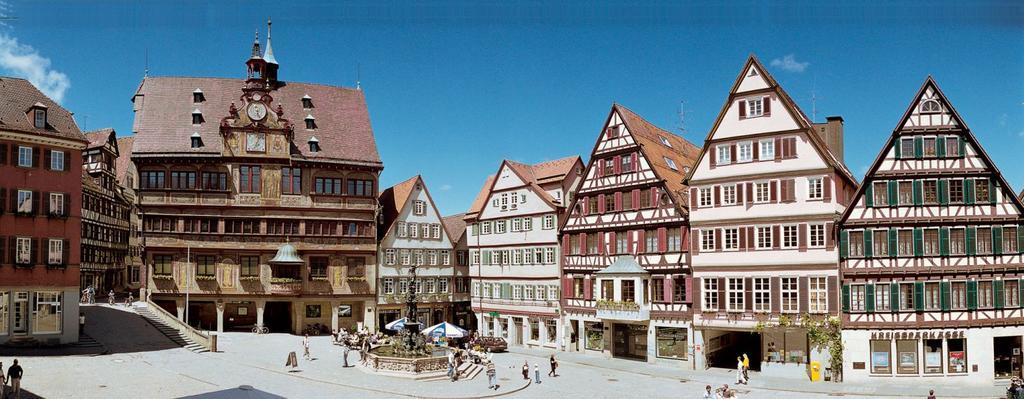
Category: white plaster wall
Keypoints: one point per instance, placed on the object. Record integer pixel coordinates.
(807, 158)
(732, 126)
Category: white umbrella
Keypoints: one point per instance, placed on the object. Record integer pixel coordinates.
(396, 325)
(445, 329)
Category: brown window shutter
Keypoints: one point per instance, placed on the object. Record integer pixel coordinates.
(14, 199)
(34, 247)
(585, 205)
(46, 203)
(3, 161)
(14, 155)
(732, 153)
(697, 286)
(743, 109)
(618, 200)
(776, 239)
(792, 190)
(65, 252)
(36, 198)
(722, 306)
(608, 132)
(583, 243)
(801, 233)
(35, 156)
(830, 242)
(718, 195)
(601, 250)
(641, 242)
(67, 204)
(618, 164)
(767, 104)
(750, 193)
(3, 249)
(748, 294)
(635, 194)
(684, 238)
(773, 191)
(742, 238)
(67, 161)
(693, 198)
(712, 157)
(757, 150)
(666, 292)
(833, 294)
(792, 147)
(802, 292)
(654, 197)
(12, 248)
(826, 187)
(611, 244)
(3, 204)
(662, 239)
(740, 199)
(588, 288)
(47, 160)
(630, 243)
(776, 287)
(635, 161)
(600, 203)
(718, 239)
(695, 243)
(778, 149)
(750, 238)
(598, 167)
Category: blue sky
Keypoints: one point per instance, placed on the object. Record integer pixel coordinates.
(453, 89)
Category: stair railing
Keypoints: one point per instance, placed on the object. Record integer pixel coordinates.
(199, 337)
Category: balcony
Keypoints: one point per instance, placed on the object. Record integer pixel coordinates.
(285, 286)
(625, 311)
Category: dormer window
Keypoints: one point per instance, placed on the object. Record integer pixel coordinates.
(197, 96)
(310, 122)
(39, 115)
(314, 144)
(671, 164)
(930, 107)
(197, 117)
(197, 140)
(664, 141)
(307, 102)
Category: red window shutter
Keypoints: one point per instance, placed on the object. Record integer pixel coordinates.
(750, 238)
(718, 239)
(636, 198)
(792, 147)
(778, 149)
(565, 244)
(695, 245)
(757, 150)
(667, 292)
(583, 243)
(634, 159)
(567, 286)
(743, 239)
(829, 240)
(732, 153)
(776, 238)
(586, 205)
(654, 197)
(618, 164)
(618, 201)
(588, 289)
(684, 239)
(826, 186)
(718, 195)
(767, 103)
(743, 109)
(801, 233)
(689, 290)
(600, 244)
(611, 244)
(600, 203)
(641, 241)
(608, 132)
(630, 244)
(773, 191)
(662, 239)
(750, 193)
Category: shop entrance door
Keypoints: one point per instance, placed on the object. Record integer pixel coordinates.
(20, 312)
(1006, 356)
(629, 341)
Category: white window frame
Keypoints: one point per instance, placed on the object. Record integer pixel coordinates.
(403, 230)
(419, 207)
(744, 152)
(517, 292)
(710, 294)
(25, 156)
(767, 194)
(406, 257)
(671, 164)
(485, 227)
(56, 160)
(552, 292)
(763, 237)
(539, 293)
(474, 257)
(815, 188)
(549, 222)
(55, 253)
(707, 240)
(389, 256)
(57, 204)
(517, 225)
(517, 257)
(549, 255)
(724, 154)
(794, 289)
(786, 230)
(734, 294)
(817, 294)
(432, 257)
(729, 194)
(418, 257)
(446, 257)
(428, 285)
(24, 250)
(767, 149)
(500, 227)
(388, 285)
(705, 197)
(528, 223)
(816, 239)
(51, 298)
(435, 231)
(425, 227)
(762, 294)
(414, 230)
(25, 201)
(527, 292)
(755, 107)
(442, 285)
(730, 239)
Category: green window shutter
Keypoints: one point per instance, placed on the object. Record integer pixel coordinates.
(1020, 242)
(844, 244)
(944, 241)
(963, 146)
(944, 295)
(918, 242)
(918, 147)
(846, 298)
(868, 250)
(993, 190)
(869, 298)
(997, 291)
(997, 240)
(893, 193)
(919, 296)
(869, 196)
(972, 248)
(940, 147)
(917, 193)
(943, 192)
(969, 191)
(506, 291)
(972, 295)
(893, 251)
(894, 296)
(899, 148)
(1020, 292)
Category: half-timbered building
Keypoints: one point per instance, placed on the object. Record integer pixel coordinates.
(625, 269)
(514, 253)
(931, 256)
(259, 199)
(413, 235)
(764, 196)
(464, 316)
(105, 215)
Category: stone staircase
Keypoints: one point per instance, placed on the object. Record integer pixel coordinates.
(86, 341)
(467, 372)
(171, 332)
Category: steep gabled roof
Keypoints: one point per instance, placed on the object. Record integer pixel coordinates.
(18, 96)
(124, 159)
(1021, 195)
(534, 175)
(99, 137)
(481, 197)
(682, 152)
(456, 226)
(969, 137)
(798, 114)
(393, 200)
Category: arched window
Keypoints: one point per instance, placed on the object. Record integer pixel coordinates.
(930, 106)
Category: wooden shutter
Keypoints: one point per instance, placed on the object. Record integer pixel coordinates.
(869, 194)
(598, 168)
(826, 187)
(750, 237)
(894, 296)
(802, 294)
(801, 233)
(718, 239)
(14, 154)
(943, 192)
(743, 109)
(918, 201)
(586, 205)
(618, 201)
(844, 244)
(756, 150)
(776, 238)
(3, 161)
(617, 168)
(776, 289)
(997, 294)
(65, 252)
(919, 296)
(566, 241)
(583, 243)
(773, 191)
(846, 299)
(918, 147)
(631, 243)
(600, 204)
(713, 157)
(918, 242)
(993, 190)
(748, 293)
(997, 240)
(667, 288)
(695, 248)
(634, 160)
(778, 149)
(722, 305)
(893, 193)
(742, 233)
(749, 193)
(718, 195)
(972, 295)
(971, 243)
(34, 244)
(944, 297)
(869, 298)
(662, 239)
(830, 241)
(868, 247)
(940, 147)
(601, 250)
(45, 204)
(36, 202)
(47, 160)
(612, 242)
(67, 161)
(944, 241)
(962, 145)
(792, 147)
(684, 238)
(588, 288)
(3, 202)
(35, 156)
(641, 241)
(693, 198)
(767, 104)
(654, 197)
(14, 199)
(688, 289)
(732, 153)
(791, 195)
(635, 194)
(12, 248)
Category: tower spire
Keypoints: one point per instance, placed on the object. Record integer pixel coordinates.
(256, 46)
(269, 55)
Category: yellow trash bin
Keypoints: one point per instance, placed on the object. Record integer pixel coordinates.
(815, 371)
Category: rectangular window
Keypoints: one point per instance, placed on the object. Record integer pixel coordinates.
(856, 298)
(906, 291)
(707, 240)
(249, 179)
(981, 194)
(431, 257)
(881, 355)
(984, 240)
(621, 243)
(549, 222)
(388, 285)
(162, 264)
(206, 265)
(958, 295)
(734, 293)
(729, 194)
(817, 235)
(856, 244)
(56, 252)
(425, 230)
(931, 192)
(764, 237)
(931, 242)
(724, 155)
(405, 256)
(47, 312)
(57, 204)
(183, 180)
(956, 241)
(814, 188)
(626, 164)
(755, 107)
(931, 296)
(956, 350)
(24, 201)
(609, 203)
(25, 156)
(882, 297)
(327, 186)
(985, 294)
(762, 193)
(609, 167)
(790, 294)
(250, 266)
(673, 240)
(1009, 240)
(446, 257)
(767, 149)
(745, 152)
(956, 191)
(151, 179)
(710, 294)
(762, 294)
(360, 188)
(905, 242)
(731, 239)
(880, 190)
(906, 189)
(291, 181)
(817, 295)
(907, 148)
(389, 256)
(214, 181)
(1011, 294)
(929, 147)
(906, 354)
(789, 236)
(549, 255)
(56, 160)
(952, 146)
(705, 197)
(39, 119)
(442, 285)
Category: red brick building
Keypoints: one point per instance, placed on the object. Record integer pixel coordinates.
(40, 217)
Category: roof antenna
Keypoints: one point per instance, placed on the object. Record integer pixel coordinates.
(358, 75)
(145, 72)
(814, 100)
(681, 125)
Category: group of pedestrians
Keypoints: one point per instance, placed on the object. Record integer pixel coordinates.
(12, 377)
(742, 369)
(89, 297)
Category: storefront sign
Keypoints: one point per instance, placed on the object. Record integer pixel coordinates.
(956, 361)
(880, 359)
(916, 334)
(493, 314)
(933, 359)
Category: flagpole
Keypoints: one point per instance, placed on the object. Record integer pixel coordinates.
(188, 282)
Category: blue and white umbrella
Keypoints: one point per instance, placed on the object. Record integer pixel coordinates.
(396, 325)
(445, 329)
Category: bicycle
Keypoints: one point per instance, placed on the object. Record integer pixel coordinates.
(260, 330)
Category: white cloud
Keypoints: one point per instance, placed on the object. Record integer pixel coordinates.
(446, 187)
(789, 64)
(24, 61)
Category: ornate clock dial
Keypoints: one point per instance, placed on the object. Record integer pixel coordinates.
(257, 111)
(256, 142)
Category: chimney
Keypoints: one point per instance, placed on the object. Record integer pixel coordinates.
(831, 132)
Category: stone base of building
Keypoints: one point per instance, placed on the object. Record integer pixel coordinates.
(525, 330)
(288, 315)
(652, 341)
(38, 315)
(977, 356)
(775, 352)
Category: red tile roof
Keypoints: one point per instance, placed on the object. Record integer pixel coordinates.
(17, 96)
(393, 199)
(98, 138)
(456, 226)
(124, 163)
(683, 153)
(481, 197)
(163, 117)
(534, 175)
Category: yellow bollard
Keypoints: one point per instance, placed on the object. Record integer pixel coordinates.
(815, 371)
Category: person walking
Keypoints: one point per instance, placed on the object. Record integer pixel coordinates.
(14, 374)
(746, 368)
(554, 365)
(492, 376)
(739, 370)
(130, 300)
(931, 394)
(526, 370)
(3, 380)
(536, 372)
(110, 298)
(345, 354)
(709, 394)
(451, 364)
(305, 348)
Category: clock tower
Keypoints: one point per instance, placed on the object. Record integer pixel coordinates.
(256, 127)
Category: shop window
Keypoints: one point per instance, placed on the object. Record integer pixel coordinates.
(595, 336)
(957, 355)
(881, 356)
(672, 343)
(933, 356)
(47, 313)
(534, 330)
(906, 356)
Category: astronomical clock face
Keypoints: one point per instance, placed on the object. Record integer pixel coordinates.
(256, 142)
(257, 111)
